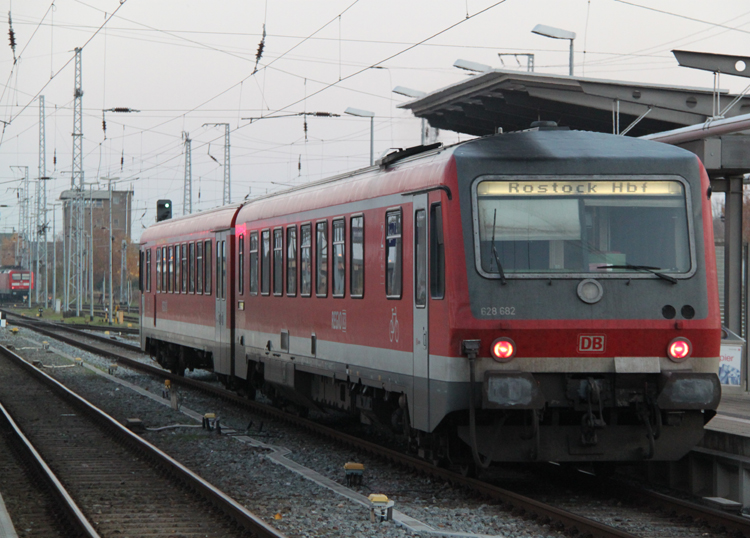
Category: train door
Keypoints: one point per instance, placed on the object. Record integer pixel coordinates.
(222, 358)
(421, 416)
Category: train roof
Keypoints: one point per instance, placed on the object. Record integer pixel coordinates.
(214, 220)
(563, 150)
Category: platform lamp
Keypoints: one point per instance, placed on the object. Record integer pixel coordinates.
(557, 33)
(366, 114)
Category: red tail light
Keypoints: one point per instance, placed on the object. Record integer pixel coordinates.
(503, 349)
(679, 349)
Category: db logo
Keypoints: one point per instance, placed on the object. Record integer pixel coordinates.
(591, 343)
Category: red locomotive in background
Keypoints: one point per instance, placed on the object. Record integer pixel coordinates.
(541, 295)
(15, 283)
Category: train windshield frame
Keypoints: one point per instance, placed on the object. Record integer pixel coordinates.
(583, 227)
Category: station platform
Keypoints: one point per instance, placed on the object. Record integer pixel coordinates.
(733, 415)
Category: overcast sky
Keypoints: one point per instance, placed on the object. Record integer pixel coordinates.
(187, 63)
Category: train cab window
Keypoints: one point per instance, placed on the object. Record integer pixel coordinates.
(16, 276)
(278, 262)
(357, 238)
(437, 253)
(241, 264)
(253, 284)
(393, 254)
(191, 267)
(420, 258)
(338, 270)
(291, 261)
(199, 267)
(207, 268)
(265, 262)
(177, 267)
(183, 249)
(572, 226)
(148, 270)
(305, 258)
(321, 259)
(170, 269)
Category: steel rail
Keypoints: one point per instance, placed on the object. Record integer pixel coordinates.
(75, 517)
(243, 517)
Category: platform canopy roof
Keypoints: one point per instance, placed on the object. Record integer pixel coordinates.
(512, 100)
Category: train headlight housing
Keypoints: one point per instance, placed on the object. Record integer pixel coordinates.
(679, 349)
(503, 349)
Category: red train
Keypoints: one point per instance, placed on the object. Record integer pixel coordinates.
(541, 295)
(15, 283)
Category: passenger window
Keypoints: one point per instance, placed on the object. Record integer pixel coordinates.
(223, 269)
(177, 268)
(420, 258)
(321, 259)
(170, 269)
(241, 264)
(207, 268)
(164, 273)
(278, 262)
(183, 249)
(158, 270)
(253, 263)
(437, 253)
(148, 270)
(305, 258)
(218, 270)
(265, 262)
(191, 267)
(291, 260)
(339, 258)
(199, 267)
(357, 278)
(393, 254)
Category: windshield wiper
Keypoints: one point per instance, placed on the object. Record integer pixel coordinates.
(494, 252)
(653, 270)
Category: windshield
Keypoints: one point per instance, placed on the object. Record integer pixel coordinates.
(581, 226)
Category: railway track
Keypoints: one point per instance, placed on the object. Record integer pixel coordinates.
(514, 501)
(121, 484)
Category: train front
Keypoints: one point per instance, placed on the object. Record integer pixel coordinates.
(591, 276)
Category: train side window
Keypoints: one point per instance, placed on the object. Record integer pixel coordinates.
(148, 269)
(162, 261)
(158, 269)
(207, 268)
(291, 261)
(141, 264)
(191, 267)
(321, 259)
(393, 254)
(437, 253)
(183, 249)
(199, 267)
(305, 258)
(420, 258)
(177, 266)
(339, 258)
(241, 264)
(170, 269)
(253, 263)
(357, 277)
(223, 270)
(278, 262)
(265, 262)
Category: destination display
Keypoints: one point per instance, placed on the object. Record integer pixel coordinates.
(579, 188)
